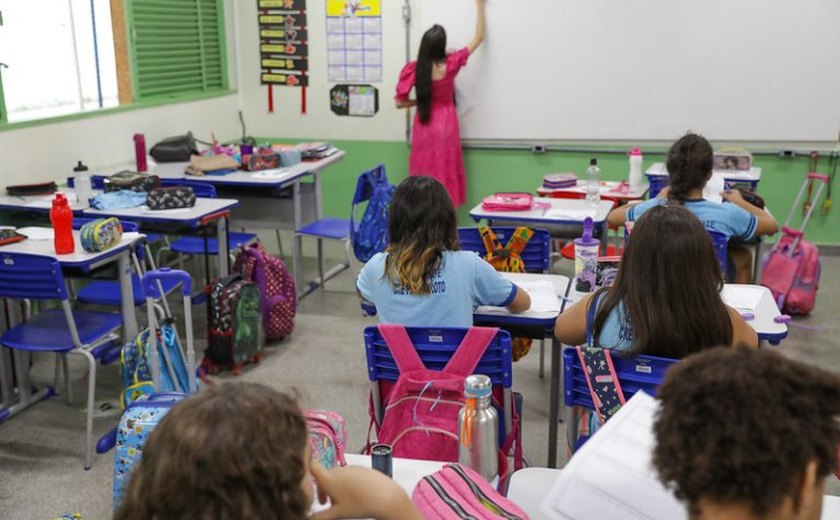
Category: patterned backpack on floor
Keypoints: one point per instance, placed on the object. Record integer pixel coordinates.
(277, 288)
(234, 324)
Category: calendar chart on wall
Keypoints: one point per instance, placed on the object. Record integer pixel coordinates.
(354, 40)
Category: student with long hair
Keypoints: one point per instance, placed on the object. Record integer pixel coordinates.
(689, 164)
(423, 279)
(665, 300)
(239, 451)
(436, 135)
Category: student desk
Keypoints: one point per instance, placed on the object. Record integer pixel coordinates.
(538, 325)
(205, 212)
(529, 486)
(657, 175)
(84, 261)
(39, 203)
(609, 189)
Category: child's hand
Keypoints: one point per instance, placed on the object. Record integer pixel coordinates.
(357, 492)
(732, 195)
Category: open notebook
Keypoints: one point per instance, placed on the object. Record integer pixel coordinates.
(543, 298)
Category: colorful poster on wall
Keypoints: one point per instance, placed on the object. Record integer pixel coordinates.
(284, 52)
(354, 100)
(354, 40)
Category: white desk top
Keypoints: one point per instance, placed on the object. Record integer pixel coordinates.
(407, 472)
(202, 208)
(549, 211)
(754, 174)
(279, 176)
(78, 258)
(41, 203)
(735, 295)
(612, 189)
(560, 283)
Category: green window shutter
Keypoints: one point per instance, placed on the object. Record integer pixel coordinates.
(177, 47)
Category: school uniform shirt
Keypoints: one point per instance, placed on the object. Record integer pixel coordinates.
(463, 282)
(725, 218)
(616, 333)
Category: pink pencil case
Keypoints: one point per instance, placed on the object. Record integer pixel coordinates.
(514, 201)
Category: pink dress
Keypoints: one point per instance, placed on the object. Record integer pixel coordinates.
(436, 145)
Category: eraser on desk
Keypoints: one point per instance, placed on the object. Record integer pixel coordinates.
(784, 318)
(748, 316)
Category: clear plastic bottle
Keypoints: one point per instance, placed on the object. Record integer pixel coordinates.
(82, 184)
(635, 168)
(593, 183)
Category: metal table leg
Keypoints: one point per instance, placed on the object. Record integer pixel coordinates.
(224, 254)
(554, 402)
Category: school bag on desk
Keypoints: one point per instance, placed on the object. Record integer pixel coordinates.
(371, 235)
(234, 324)
(792, 268)
(277, 288)
(456, 491)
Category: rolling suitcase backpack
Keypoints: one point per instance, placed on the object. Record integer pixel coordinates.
(792, 269)
(235, 333)
(143, 414)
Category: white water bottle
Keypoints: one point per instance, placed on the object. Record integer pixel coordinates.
(635, 168)
(82, 183)
(593, 183)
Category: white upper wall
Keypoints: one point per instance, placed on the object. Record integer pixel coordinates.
(319, 122)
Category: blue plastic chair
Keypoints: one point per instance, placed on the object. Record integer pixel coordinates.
(435, 347)
(634, 374)
(62, 331)
(719, 241)
(537, 256)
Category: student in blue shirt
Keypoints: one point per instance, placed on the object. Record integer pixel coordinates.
(689, 166)
(422, 279)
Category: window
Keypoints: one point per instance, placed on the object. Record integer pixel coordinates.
(60, 57)
(177, 47)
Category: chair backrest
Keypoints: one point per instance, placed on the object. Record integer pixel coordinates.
(201, 189)
(634, 374)
(435, 346)
(127, 225)
(537, 253)
(719, 241)
(34, 277)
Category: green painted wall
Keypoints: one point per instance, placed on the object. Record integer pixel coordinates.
(502, 170)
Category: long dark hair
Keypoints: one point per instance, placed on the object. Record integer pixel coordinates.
(669, 281)
(432, 49)
(690, 162)
(422, 226)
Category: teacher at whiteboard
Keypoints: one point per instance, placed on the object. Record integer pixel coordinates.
(436, 137)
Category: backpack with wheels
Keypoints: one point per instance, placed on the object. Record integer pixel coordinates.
(371, 235)
(234, 324)
(277, 288)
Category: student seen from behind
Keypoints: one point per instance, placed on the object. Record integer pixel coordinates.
(689, 164)
(747, 435)
(240, 452)
(423, 279)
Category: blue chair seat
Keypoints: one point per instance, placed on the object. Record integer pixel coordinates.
(194, 245)
(48, 331)
(107, 292)
(329, 227)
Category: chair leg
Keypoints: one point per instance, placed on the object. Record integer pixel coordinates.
(279, 242)
(67, 388)
(90, 404)
(321, 262)
(349, 252)
(542, 358)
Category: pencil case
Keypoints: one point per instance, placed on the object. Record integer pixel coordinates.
(732, 159)
(133, 181)
(172, 197)
(100, 234)
(556, 181)
(515, 201)
(41, 188)
(10, 236)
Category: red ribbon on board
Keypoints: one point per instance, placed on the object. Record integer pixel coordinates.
(303, 100)
(270, 99)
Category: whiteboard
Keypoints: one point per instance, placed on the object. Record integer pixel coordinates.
(738, 70)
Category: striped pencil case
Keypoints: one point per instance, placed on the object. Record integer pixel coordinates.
(100, 234)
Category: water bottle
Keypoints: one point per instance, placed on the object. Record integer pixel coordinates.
(635, 179)
(586, 259)
(478, 425)
(593, 183)
(81, 181)
(140, 152)
(61, 217)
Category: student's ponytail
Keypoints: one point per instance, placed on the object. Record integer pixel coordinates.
(432, 49)
(689, 166)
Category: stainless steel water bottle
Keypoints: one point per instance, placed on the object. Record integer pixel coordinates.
(478, 426)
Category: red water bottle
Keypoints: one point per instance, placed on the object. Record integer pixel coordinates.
(140, 152)
(62, 221)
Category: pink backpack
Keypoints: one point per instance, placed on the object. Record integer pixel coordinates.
(327, 437)
(277, 288)
(792, 273)
(420, 419)
(459, 492)
(508, 202)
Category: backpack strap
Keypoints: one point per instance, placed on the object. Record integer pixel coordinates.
(602, 381)
(469, 352)
(402, 349)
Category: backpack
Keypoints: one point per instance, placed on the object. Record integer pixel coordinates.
(234, 324)
(136, 364)
(277, 287)
(792, 273)
(371, 236)
(508, 259)
(327, 437)
(456, 491)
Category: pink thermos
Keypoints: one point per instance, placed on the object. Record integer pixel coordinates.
(140, 152)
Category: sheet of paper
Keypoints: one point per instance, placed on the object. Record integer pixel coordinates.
(270, 174)
(742, 297)
(544, 299)
(37, 233)
(569, 214)
(611, 477)
(715, 185)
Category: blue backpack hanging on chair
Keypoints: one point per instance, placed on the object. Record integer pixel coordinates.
(371, 235)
